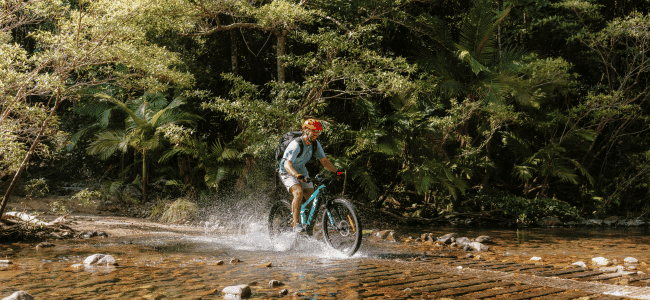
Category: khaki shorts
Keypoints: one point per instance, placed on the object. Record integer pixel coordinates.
(289, 181)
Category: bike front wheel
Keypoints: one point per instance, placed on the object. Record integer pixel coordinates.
(341, 227)
(280, 219)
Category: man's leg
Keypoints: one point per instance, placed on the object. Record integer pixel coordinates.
(307, 193)
(296, 191)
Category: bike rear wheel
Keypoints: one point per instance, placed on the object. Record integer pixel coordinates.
(280, 219)
(341, 227)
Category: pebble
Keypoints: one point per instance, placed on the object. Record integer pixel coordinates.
(19, 295)
(535, 258)
(631, 260)
(284, 292)
(235, 261)
(601, 261)
(579, 264)
(5, 261)
(274, 283)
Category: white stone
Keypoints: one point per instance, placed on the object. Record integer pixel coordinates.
(579, 264)
(19, 295)
(242, 291)
(631, 260)
(536, 258)
(100, 260)
(600, 261)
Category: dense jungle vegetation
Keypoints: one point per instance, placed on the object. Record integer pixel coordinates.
(521, 108)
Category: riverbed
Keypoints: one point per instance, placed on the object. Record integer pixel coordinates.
(157, 261)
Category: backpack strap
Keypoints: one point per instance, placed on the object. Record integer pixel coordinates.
(303, 143)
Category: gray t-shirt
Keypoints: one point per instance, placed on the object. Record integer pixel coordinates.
(299, 162)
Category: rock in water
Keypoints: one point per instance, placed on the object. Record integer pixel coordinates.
(100, 260)
(478, 247)
(19, 295)
(601, 261)
(242, 291)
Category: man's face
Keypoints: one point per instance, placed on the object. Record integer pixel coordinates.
(312, 135)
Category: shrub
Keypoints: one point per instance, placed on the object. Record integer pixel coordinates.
(180, 210)
(87, 198)
(58, 208)
(527, 210)
(36, 188)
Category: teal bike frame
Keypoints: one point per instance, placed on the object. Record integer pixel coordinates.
(314, 207)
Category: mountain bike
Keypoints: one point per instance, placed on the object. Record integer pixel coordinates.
(341, 228)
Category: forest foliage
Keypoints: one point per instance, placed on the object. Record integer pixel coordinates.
(523, 108)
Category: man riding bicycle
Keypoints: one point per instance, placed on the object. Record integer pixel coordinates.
(293, 172)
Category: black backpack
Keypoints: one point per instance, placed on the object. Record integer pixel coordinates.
(286, 139)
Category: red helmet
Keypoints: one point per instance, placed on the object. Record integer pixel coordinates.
(312, 124)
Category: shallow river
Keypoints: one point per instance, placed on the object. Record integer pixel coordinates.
(177, 262)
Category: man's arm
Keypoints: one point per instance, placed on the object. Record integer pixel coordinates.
(327, 164)
(288, 165)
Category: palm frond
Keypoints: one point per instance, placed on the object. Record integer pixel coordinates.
(106, 143)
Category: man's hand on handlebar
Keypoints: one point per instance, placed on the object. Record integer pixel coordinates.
(301, 177)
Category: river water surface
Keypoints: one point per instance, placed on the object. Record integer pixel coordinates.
(184, 262)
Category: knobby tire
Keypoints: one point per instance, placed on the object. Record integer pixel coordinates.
(280, 218)
(341, 227)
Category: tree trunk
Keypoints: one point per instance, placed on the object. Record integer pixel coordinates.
(144, 175)
(282, 44)
(233, 52)
(23, 165)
